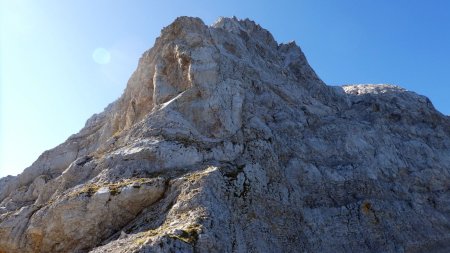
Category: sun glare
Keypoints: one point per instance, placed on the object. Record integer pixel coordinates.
(101, 56)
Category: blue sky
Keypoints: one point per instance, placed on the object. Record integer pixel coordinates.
(62, 61)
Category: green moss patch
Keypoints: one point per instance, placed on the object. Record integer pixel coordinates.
(114, 188)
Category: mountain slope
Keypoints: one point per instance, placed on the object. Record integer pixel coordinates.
(226, 141)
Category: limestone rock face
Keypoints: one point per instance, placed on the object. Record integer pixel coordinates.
(226, 141)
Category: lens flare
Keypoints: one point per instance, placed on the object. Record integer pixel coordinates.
(101, 56)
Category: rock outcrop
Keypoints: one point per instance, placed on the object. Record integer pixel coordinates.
(226, 141)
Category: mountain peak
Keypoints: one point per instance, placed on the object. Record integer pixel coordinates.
(226, 141)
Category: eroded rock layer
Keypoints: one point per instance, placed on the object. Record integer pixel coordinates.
(226, 141)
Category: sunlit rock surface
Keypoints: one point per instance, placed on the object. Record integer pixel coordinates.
(226, 141)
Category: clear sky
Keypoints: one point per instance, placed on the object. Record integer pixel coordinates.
(62, 61)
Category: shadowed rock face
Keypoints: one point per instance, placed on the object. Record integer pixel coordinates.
(226, 141)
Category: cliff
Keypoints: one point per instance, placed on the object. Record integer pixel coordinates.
(226, 141)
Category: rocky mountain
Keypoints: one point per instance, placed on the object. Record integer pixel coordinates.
(226, 141)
